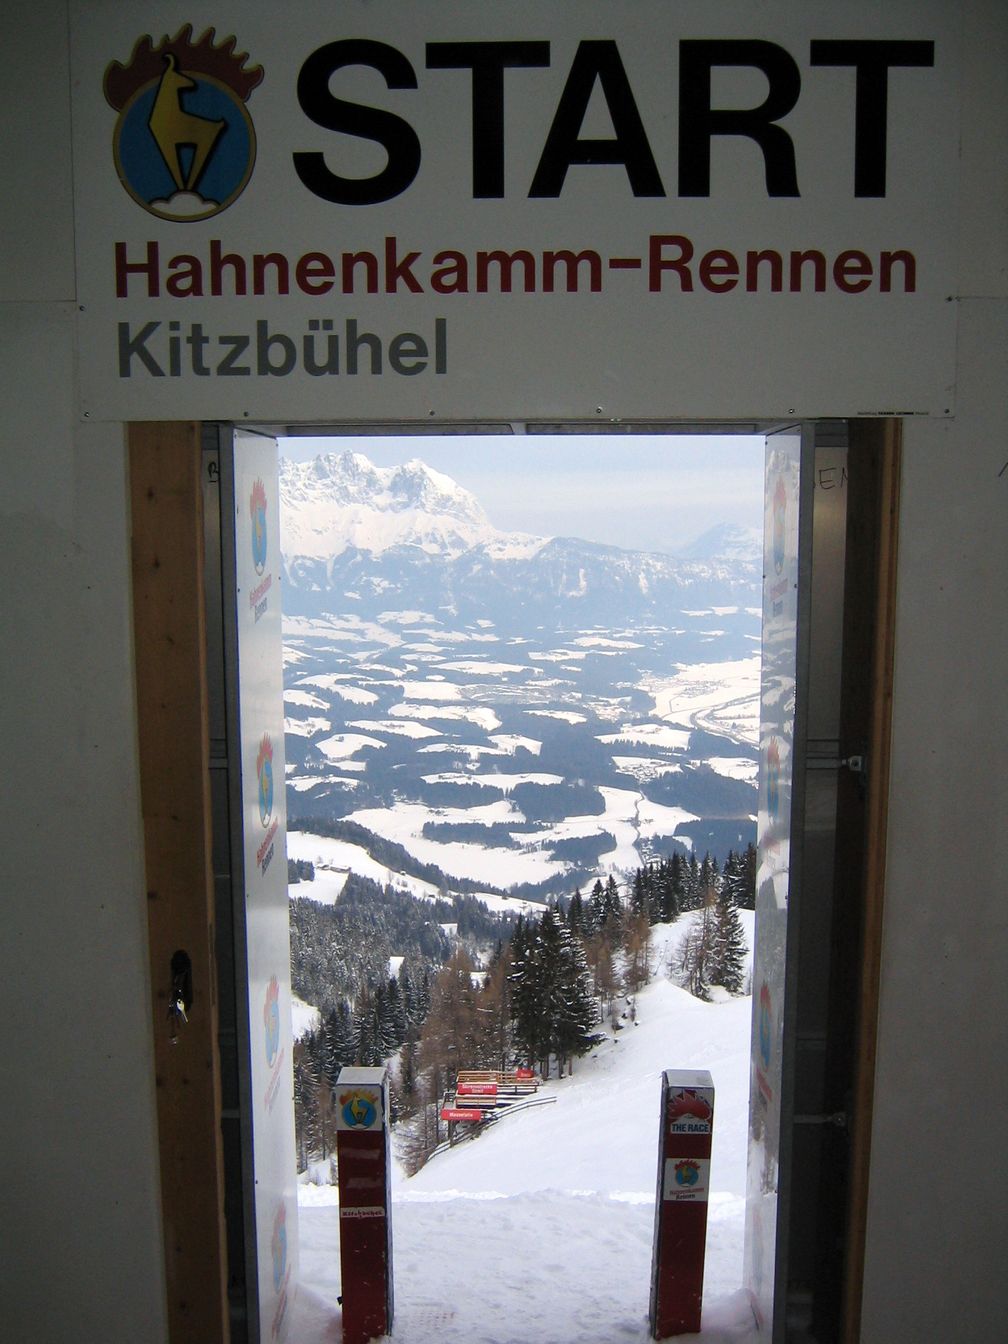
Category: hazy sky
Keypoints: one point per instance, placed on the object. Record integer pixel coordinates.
(642, 492)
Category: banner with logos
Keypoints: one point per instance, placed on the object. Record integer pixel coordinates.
(774, 873)
(260, 718)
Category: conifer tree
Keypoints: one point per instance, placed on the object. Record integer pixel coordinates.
(728, 946)
(570, 1005)
(340, 1042)
(526, 992)
(575, 913)
(749, 878)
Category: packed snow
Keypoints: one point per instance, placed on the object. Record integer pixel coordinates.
(540, 1230)
(304, 1018)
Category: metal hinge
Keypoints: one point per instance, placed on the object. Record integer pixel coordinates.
(857, 765)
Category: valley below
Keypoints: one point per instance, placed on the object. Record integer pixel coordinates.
(529, 763)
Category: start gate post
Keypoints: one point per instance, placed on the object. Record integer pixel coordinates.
(684, 1151)
(362, 1153)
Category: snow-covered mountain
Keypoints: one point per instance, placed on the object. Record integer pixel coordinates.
(343, 502)
(409, 538)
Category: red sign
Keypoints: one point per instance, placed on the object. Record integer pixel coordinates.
(362, 1152)
(476, 1089)
(460, 1113)
(681, 1214)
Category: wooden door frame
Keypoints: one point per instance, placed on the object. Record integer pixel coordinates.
(172, 710)
(879, 446)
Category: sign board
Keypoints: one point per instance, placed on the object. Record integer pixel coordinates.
(684, 1152)
(263, 815)
(779, 682)
(465, 1114)
(584, 210)
(362, 1154)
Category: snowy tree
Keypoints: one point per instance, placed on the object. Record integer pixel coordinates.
(726, 964)
(693, 956)
(526, 995)
(449, 1038)
(307, 1135)
(636, 949)
(567, 1001)
(339, 1040)
(495, 1034)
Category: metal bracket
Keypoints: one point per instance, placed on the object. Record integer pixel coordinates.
(838, 1119)
(857, 765)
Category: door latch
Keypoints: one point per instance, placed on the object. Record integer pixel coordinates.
(181, 996)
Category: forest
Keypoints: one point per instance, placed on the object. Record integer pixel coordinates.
(497, 992)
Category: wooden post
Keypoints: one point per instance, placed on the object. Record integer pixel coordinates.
(169, 625)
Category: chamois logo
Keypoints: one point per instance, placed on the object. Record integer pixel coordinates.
(184, 144)
(358, 1109)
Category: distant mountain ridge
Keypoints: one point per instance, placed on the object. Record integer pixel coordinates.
(339, 502)
(376, 539)
(725, 541)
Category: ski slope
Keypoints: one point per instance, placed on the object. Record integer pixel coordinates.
(540, 1230)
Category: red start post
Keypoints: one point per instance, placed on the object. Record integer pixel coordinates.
(362, 1153)
(684, 1151)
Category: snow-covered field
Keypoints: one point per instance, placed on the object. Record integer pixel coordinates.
(722, 697)
(540, 1231)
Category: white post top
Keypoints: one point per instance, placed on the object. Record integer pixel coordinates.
(353, 1075)
(688, 1078)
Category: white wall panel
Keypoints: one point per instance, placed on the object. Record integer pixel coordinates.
(939, 1183)
(79, 1156)
(36, 218)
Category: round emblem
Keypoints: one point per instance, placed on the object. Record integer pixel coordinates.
(184, 145)
(687, 1174)
(359, 1111)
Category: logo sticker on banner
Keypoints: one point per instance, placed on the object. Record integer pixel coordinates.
(281, 1269)
(779, 524)
(689, 1113)
(264, 770)
(359, 1109)
(271, 1020)
(184, 144)
(264, 773)
(765, 1011)
(257, 508)
(686, 1179)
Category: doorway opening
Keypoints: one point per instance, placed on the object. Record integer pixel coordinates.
(501, 700)
(434, 662)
